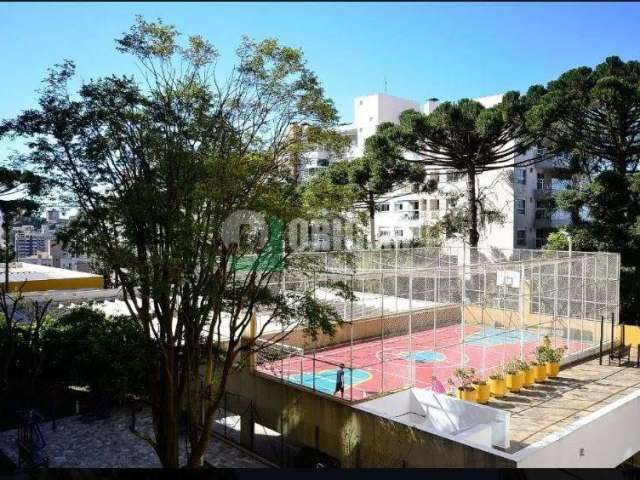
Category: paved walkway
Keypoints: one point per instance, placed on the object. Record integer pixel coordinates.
(579, 391)
(110, 444)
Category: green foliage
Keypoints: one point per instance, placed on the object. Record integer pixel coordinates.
(156, 164)
(512, 367)
(464, 137)
(522, 365)
(462, 378)
(360, 182)
(545, 354)
(110, 355)
(592, 117)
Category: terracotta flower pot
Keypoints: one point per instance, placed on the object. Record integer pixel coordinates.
(483, 392)
(497, 387)
(469, 395)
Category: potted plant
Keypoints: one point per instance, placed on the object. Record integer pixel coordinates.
(482, 387)
(462, 380)
(542, 356)
(528, 372)
(512, 377)
(497, 385)
(554, 355)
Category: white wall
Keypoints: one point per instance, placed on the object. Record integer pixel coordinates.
(468, 423)
(603, 439)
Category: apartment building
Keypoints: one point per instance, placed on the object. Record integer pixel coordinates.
(28, 240)
(519, 193)
(38, 246)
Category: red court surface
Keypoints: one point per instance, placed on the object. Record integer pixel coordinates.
(384, 365)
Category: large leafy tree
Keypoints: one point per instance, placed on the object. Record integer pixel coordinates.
(361, 182)
(592, 117)
(157, 166)
(463, 137)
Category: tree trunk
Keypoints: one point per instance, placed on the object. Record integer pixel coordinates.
(474, 235)
(371, 205)
(167, 437)
(165, 413)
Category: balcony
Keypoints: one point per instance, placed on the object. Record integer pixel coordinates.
(411, 215)
(542, 221)
(542, 193)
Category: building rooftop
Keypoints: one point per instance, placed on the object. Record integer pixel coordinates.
(552, 407)
(21, 271)
(31, 277)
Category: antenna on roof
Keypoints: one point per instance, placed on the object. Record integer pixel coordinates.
(386, 84)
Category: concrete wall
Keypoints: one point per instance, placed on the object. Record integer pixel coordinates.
(355, 438)
(631, 334)
(477, 315)
(370, 328)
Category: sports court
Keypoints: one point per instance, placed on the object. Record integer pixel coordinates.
(418, 314)
(372, 368)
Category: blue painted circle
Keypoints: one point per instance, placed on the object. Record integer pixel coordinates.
(325, 380)
(492, 337)
(425, 356)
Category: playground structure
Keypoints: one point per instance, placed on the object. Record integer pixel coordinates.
(418, 314)
(30, 441)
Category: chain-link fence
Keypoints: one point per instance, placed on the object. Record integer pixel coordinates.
(418, 314)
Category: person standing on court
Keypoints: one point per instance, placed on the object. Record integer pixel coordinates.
(340, 381)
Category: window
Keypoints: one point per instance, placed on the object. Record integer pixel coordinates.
(398, 206)
(540, 181)
(371, 119)
(539, 150)
(414, 204)
(383, 232)
(521, 176)
(434, 204)
(520, 206)
(453, 176)
(383, 207)
(398, 232)
(521, 237)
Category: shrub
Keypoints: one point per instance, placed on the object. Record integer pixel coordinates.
(104, 353)
(463, 378)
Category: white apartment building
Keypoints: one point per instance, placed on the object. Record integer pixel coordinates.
(518, 193)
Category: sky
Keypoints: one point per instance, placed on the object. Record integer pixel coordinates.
(423, 50)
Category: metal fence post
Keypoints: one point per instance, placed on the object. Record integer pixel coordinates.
(226, 414)
(601, 336)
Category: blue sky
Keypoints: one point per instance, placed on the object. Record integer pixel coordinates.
(424, 50)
